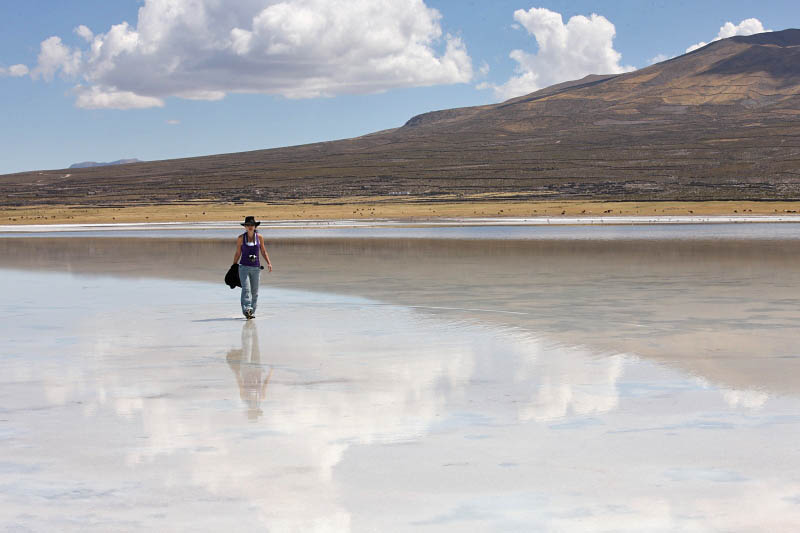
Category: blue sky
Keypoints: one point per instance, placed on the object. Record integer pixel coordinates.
(156, 79)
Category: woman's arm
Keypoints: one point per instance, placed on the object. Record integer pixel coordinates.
(264, 252)
(238, 253)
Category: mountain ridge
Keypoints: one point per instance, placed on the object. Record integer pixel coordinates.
(88, 164)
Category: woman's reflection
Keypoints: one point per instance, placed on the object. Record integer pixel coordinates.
(250, 373)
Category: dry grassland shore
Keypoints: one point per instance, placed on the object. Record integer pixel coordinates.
(382, 208)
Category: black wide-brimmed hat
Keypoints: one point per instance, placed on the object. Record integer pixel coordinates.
(250, 220)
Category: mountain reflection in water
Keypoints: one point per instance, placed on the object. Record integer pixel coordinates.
(723, 310)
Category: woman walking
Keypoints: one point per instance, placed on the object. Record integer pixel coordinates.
(248, 247)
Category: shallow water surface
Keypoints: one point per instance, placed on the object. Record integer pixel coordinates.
(401, 385)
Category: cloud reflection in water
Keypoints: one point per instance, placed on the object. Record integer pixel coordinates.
(370, 422)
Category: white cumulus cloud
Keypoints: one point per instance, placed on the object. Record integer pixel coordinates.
(658, 58)
(54, 55)
(203, 49)
(582, 46)
(16, 71)
(95, 97)
(85, 32)
(749, 26)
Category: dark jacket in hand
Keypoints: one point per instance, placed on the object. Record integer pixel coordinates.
(232, 277)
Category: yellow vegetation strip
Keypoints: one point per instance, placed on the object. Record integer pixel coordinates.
(391, 208)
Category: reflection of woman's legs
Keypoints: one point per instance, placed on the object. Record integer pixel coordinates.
(250, 351)
(250, 374)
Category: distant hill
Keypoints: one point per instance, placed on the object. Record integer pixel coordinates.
(721, 122)
(88, 164)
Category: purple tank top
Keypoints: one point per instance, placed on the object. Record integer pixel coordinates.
(250, 251)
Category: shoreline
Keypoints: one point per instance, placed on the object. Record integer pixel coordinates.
(388, 224)
(381, 211)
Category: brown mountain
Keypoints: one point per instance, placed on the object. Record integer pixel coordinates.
(722, 122)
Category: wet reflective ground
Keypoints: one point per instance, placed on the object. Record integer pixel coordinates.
(401, 385)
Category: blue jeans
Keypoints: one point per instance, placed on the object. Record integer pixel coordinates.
(248, 276)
